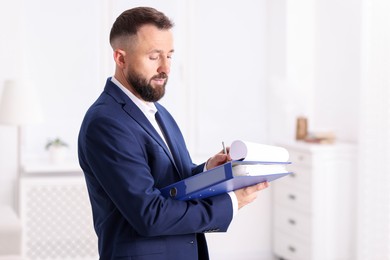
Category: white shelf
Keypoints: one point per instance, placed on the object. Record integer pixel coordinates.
(45, 167)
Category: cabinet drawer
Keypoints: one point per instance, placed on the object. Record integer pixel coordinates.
(301, 177)
(292, 221)
(292, 197)
(290, 247)
(300, 158)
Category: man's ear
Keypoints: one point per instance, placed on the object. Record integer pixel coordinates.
(119, 57)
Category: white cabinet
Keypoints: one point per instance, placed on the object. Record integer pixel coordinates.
(56, 214)
(314, 208)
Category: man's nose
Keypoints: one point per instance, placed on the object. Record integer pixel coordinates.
(165, 66)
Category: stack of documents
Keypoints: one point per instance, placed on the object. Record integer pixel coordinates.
(244, 170)
(249, 151)
(257, 169)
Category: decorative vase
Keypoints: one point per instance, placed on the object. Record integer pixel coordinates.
(57, 154)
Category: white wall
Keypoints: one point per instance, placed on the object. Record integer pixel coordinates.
(227, 72)
(10, 46)
(42, 43)
(241, 71)
(313, 66)
(337, 79)
(62, 55)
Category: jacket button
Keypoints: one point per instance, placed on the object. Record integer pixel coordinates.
(191, 242)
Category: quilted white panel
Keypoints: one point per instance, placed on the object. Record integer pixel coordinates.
(57, 219)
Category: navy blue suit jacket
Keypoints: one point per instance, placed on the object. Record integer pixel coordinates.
(125, 163)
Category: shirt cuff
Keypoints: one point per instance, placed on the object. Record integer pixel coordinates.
(232, 195)
(233, 198)
(205, 165)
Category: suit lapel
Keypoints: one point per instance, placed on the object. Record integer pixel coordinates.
(140, 118)
(170, 140)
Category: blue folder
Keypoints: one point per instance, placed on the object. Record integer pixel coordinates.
(217, 181)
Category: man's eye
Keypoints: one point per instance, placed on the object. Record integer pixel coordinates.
(153, 57)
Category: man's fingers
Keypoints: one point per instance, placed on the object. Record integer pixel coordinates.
(255, 188)
(249, 194)
(262, 186)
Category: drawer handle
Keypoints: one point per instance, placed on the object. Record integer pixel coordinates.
(292, 175)
(292, 197)
(292, 222)
(291, 249)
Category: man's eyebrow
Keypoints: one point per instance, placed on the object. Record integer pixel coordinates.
(161, 51)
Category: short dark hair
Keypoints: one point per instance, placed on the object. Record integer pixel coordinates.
(131, 20)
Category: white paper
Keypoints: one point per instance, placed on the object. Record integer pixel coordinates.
(250, 151)
(258, 169)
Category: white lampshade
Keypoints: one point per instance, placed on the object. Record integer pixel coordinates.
(19, 104)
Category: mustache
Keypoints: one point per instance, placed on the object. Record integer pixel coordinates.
(162, 75)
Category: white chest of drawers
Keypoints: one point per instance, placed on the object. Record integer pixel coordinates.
(314, 208)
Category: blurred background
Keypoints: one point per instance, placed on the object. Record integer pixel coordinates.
(241, 70)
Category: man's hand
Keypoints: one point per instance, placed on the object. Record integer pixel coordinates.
(249, 194)
(245, 195)
(218, 159)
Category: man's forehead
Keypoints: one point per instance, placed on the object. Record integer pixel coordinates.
(151, 32)
(154, 38)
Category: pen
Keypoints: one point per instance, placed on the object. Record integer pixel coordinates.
(224, 148)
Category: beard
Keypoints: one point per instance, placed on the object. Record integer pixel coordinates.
(144, 88)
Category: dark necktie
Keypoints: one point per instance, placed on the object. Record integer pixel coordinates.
(168, 141)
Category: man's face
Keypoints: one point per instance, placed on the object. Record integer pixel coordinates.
(149, 63)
